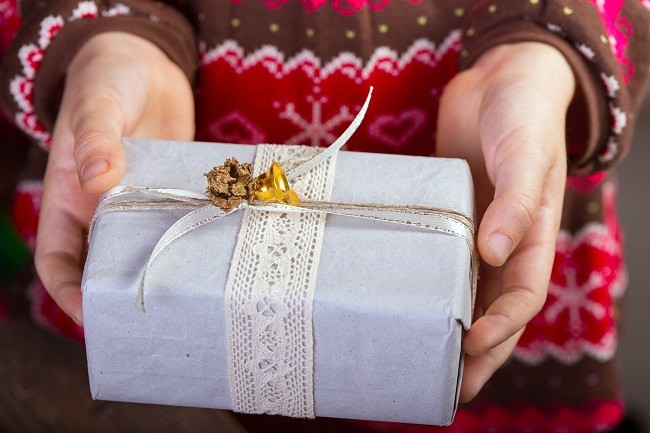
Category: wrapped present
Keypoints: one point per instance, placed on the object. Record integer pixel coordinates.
(351, 303)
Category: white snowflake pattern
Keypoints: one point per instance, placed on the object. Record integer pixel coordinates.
(6, 11)
(315, 130)
(574, 298)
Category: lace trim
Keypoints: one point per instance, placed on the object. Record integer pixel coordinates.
(269, 297)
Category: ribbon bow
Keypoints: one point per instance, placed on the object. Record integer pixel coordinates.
(443, 221)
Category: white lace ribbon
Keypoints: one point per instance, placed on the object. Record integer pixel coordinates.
(271, 282)
(269, 298)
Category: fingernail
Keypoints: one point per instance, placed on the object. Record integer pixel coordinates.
(95, 167)
(500, 246)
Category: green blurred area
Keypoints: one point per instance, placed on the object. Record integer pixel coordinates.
(13, 252)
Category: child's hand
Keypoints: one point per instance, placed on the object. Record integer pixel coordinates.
(117, 85)
(506, 116)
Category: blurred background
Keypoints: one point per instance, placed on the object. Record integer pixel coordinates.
(37, 368)
(634, 211)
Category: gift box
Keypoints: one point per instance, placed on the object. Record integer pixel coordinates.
(390, 302)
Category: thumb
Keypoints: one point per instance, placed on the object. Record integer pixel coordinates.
(97, 127)
(520, 163)
(522, 132)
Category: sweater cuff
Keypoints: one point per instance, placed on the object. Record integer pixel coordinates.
(36, 62)
(596, 120)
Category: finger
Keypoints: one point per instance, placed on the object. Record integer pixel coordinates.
(59, 247)
(524, 277)
(479, 369)
(60, 272)
(62, 222)
(97, 123)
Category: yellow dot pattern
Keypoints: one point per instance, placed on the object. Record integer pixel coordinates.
(383, 28)
(593, 207)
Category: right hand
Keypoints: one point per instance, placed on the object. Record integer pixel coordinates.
(117, 85)
(506, 117)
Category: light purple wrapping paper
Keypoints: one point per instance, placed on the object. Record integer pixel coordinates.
(390, 306)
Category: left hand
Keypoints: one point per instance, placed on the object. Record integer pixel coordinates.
(506, 116)
(117, 85)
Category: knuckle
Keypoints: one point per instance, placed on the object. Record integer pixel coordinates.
(526, 306)
(525, 211)
(88, 139)
(536, 305)
(93, 119)
(57, 290)
(43, 264)
(86, 143)
(511, 325)
(46, 267)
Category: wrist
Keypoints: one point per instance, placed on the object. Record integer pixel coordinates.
(119, 46)
(538, 64)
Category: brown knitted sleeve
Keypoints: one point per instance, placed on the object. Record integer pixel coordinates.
(35, 64)
(605, 42)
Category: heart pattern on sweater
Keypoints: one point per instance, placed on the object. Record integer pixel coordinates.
(396, 130)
